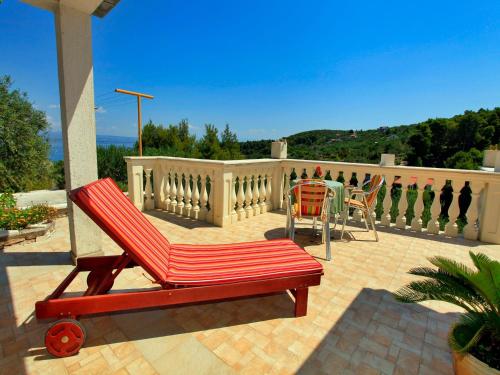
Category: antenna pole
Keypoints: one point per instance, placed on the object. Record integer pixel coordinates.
(139, 117)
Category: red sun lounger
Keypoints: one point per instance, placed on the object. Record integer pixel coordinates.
(184, 273)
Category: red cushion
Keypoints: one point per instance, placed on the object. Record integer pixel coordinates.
(246, 261)
(106, 204)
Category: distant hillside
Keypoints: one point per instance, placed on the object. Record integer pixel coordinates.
(455, 142)
(360, 146)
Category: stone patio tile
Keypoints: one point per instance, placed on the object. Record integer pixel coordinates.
(353, 325)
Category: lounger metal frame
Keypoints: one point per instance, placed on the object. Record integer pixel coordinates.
(96, 300)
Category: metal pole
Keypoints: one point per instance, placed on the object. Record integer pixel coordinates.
(139, 121)
(139, 124)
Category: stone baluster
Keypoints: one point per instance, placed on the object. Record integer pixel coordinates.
(286, 188)
(471, 230)
(416, 222)
(240, 198)
(269, 193)
(173, 193)
(195, 213)
(255, 195)
(451, 228)
(403, 204)
(234, 200)
(433, 224)
(204, 198)
(263, 196)
(187, 197)
(166, 187)
(248, 197)
(148, 203)
(210, 214)
(387, 204)
(180, 194)
(358, 214)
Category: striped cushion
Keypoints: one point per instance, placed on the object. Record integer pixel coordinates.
(247, 261)
(105, 203)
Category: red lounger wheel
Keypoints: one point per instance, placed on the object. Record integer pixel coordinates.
(64, 338)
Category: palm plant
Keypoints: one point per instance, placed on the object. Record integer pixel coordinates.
(477, 291)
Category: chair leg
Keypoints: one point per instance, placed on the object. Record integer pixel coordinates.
(346, 215)
(335, 220)
(366, 220)
(301, 295)
(292, 229)
(373, 225)
(326, 231)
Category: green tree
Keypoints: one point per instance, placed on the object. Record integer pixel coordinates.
(421, 145)
(230, 145)
(471, 159)
(24, 145)
(210, 147)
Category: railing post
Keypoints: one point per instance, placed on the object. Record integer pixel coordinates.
(489, 228)
(135, 186)
(221, 197)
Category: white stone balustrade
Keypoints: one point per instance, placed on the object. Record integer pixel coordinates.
(224, 192)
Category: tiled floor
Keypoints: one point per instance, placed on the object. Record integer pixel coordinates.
(353, 324)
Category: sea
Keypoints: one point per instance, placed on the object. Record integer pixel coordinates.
(56, 143)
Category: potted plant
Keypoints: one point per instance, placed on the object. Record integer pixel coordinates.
(475, 338)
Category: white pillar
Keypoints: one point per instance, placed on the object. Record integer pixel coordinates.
(76, 87)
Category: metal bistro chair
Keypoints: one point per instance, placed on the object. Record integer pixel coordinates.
(365, 203)
(311, 199)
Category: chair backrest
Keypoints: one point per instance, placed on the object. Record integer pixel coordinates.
(114, 213)
(310, 197)
(374, 186)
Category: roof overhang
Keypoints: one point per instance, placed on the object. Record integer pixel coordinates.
(99, 8)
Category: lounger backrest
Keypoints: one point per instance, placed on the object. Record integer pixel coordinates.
(112, 211)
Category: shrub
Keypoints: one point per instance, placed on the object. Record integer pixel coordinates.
(12, 218)
(58, 174)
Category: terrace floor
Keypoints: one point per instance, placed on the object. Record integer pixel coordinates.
(353, 324)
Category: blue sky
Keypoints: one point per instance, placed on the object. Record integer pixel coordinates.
(271, 68)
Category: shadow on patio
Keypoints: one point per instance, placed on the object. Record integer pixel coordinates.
(376, 334)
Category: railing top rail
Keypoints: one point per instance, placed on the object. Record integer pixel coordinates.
(400, 168)
(193, 160)
(444, 172)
